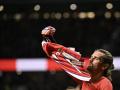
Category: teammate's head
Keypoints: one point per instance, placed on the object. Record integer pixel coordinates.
(101, 61)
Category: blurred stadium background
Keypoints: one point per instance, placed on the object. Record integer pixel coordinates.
(83, 24)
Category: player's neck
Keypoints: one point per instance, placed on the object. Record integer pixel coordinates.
(96, 77)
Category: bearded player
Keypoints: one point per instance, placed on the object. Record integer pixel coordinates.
(100, 67)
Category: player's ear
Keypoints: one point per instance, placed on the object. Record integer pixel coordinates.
(105, 66)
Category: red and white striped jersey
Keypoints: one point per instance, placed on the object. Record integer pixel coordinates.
(63, 56)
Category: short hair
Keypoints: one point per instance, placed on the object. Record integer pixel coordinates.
(107, 58)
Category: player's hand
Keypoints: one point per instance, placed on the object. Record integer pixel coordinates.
(48, 31)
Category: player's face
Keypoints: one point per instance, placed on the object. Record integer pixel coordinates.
(95, 63)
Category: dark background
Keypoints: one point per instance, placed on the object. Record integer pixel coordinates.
(21, 38)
